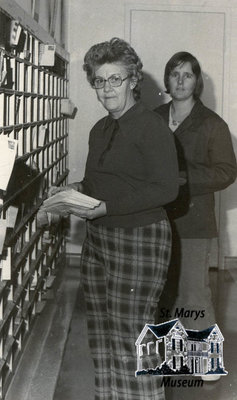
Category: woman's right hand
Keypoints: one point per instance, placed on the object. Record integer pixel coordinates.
(55, 189)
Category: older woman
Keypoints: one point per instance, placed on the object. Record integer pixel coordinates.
(132, 168)
(207, 164)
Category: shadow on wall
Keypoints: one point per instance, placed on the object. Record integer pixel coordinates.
(152, 94)
(228, 199)
(208, 96)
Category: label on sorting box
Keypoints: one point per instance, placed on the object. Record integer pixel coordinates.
(47, 54)
(3, 228)
(6, 266)
(8, 148)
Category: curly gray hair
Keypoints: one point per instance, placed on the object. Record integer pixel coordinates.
(116, 50)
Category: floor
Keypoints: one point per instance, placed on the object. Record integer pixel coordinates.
(57, 366)
(38, 370)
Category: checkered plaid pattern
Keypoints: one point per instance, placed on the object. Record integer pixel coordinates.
(123, 274)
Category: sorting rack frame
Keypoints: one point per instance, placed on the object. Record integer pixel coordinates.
(30, 112)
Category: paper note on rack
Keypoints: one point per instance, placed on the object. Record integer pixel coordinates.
(64, 201)
(68, 108)
(11, 216)
(8, 148)
(3, 228)
(15, 32)
(6, 266)
(1, 108)
(47, 54)
(42, 135)
(3, 72)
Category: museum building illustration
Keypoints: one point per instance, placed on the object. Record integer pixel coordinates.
(170, 349)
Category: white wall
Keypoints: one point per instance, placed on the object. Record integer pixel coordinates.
(93, 21)
(25, 4)
(90, 22)
(44, 12)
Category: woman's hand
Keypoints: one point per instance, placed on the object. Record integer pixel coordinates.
(55, 189)
(90, 214)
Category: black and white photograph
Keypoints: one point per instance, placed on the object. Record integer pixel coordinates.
(118, 199)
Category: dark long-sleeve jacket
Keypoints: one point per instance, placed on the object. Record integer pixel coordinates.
(206, 153)
(139, 174)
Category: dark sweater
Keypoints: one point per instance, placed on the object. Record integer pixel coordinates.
(140, 172)
(206, 153)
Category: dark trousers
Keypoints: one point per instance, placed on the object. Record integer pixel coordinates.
(194, 293)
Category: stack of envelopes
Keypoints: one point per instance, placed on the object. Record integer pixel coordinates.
(63, 202)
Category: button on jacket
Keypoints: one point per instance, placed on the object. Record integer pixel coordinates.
(206, 153)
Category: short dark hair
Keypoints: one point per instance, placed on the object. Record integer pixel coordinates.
(181, 58)
(115, 50)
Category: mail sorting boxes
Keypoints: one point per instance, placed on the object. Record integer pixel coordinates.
(34, 136)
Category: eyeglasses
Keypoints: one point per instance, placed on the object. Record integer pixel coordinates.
(114, 81)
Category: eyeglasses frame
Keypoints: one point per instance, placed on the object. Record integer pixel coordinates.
(108, 80)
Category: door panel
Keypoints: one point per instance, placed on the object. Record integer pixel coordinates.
(157, 32)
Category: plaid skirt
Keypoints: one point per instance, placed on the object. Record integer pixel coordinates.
(123, 273)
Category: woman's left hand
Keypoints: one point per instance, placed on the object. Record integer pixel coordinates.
(86, 213)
